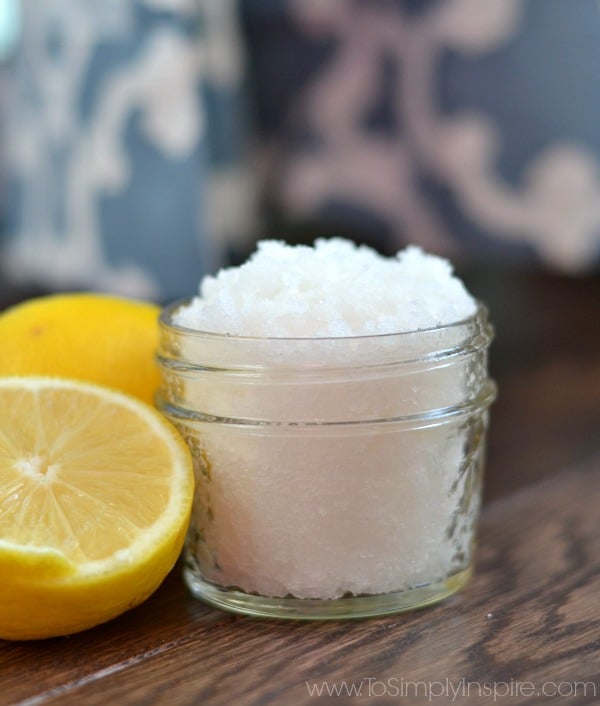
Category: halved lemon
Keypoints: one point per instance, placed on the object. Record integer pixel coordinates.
(95, 498)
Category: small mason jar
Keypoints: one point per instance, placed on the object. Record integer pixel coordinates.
(336, 477)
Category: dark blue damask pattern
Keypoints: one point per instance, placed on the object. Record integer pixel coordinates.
(492, 108)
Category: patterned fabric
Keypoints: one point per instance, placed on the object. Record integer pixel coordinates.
(470, 126)
(123, 136)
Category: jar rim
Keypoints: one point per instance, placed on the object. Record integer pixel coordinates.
(166, 320)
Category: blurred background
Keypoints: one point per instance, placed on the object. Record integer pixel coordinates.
(144, 143)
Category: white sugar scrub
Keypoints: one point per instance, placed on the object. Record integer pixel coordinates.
(335, 403)
(333, 289)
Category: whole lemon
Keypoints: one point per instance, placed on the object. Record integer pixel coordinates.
(93, 337)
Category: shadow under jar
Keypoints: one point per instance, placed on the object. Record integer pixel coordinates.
(336, 477)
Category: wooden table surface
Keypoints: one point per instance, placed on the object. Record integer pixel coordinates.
(527, 625)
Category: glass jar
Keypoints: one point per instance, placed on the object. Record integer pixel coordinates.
(336, 477)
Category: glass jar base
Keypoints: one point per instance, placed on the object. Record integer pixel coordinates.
(324, 609)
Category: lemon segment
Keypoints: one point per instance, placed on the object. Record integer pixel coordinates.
(95, 498)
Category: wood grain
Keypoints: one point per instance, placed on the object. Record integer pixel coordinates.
(530, 614)
(546, 359)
